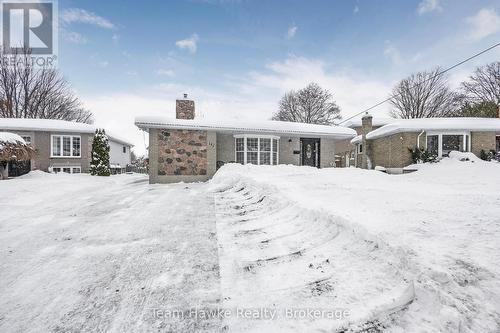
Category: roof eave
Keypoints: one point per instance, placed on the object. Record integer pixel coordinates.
(146, 126)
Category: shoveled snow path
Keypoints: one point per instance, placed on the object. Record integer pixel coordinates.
(80, 253)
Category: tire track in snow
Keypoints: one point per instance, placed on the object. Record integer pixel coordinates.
(311, 259)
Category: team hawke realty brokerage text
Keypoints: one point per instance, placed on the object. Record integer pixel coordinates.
(252, 313)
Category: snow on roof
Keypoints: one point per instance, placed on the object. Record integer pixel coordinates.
(375, 122)
(436, 124)
(264, 126)
(52, 125)
(357, 139)
(12, 138)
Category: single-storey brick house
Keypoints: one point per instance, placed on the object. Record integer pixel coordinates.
(389, 145)
(190, 149)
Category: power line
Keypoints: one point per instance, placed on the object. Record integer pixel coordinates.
(428, 79)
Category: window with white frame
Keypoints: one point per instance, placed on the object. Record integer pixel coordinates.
(66, 169)
(441, 144)
(65, 146)
(258, 150)
(360, 148)
(275, 151)
(240, 150)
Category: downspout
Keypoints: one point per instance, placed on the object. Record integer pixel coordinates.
(418, 139)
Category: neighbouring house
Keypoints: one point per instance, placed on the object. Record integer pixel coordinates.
(13, 150)
(62, 146)
(389, 146)
(190, 149)
(345, 153)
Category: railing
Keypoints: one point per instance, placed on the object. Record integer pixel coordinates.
(136, 169)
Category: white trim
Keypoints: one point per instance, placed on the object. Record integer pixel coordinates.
(61, 136)
(358, 150)
(256, 136)
(245, 150)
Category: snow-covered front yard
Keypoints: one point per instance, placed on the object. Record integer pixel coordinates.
(367, 251)
(96, 254)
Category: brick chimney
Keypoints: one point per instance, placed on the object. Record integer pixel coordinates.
(366, 123)
(184, 108)
(366, 127)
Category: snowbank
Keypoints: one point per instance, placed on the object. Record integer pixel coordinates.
(437, 227)
(464, 157)
(36, 174)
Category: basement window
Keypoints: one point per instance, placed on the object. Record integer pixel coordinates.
(66, 169)
(258, 150)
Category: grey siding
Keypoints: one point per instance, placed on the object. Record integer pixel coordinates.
(287, 146)
(327, 153)
(225, 147)
(41, 143)
(44, 161)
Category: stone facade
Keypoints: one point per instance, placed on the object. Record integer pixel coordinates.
(184, 109)
(182, 152)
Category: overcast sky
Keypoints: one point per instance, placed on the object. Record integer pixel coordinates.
(237, 58)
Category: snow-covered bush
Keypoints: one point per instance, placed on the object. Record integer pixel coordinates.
(421, 155)
(99, 165)
(490, 156)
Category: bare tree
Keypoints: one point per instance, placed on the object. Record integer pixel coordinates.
(423, 95)
(484, 84)
(27, 91)
(311, 104)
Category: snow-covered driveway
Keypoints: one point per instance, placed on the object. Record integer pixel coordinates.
(81, 253)
(409, 253)
(351, 238)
